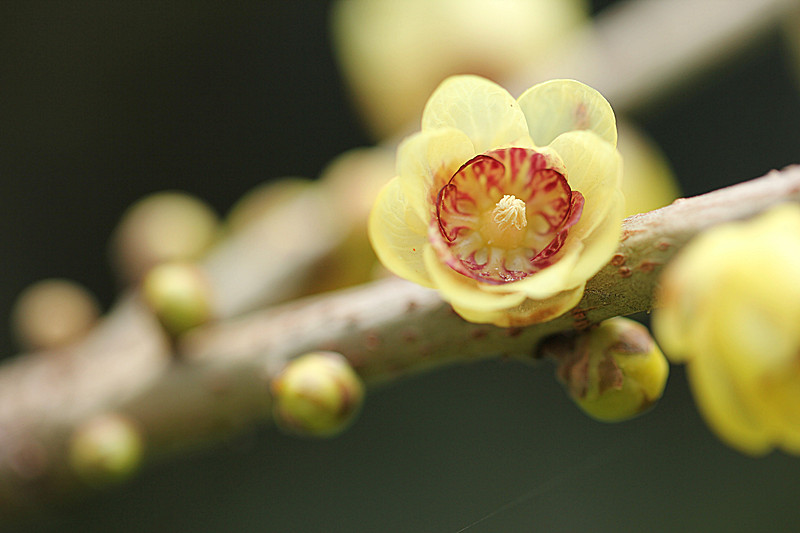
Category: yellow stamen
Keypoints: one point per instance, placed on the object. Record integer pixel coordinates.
(509, 211)
(504, 226)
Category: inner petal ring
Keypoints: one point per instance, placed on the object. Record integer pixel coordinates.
(504, 215)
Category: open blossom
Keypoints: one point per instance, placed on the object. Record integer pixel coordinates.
(507, 207)
(730, 309)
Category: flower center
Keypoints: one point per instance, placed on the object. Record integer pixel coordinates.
(504, 215)
(506, 224)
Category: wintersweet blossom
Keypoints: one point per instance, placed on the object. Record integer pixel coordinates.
(648, 181)
(507, 207)
(393, 53)
(730, 309)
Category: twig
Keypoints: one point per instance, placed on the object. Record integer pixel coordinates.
(640, 51)
(217, 385)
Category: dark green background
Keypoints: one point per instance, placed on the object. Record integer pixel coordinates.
(103, 102)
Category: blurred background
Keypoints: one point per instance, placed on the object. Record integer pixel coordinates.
(102, 103)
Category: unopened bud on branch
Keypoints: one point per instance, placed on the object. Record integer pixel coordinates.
(615, 372)
(105, 449)
(317, 394)
(179, 294)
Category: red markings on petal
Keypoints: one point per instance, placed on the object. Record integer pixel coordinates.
(466, 243)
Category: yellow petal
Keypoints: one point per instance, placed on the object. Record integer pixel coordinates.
(594, 168)
(427, 160)
(600, 244)
(480, 108)
(398, 235)
(551, 280)
(685, 295)
(721, 404)
(558, 106)
(526, 313)
(462, 291)
(777, 398)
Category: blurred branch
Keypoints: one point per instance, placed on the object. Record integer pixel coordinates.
(217, 382)
(271, 259)
(639, 51)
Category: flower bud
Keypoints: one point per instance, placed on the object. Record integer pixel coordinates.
(615, 372)
(53, 313)
(317, 395)
(105, 449)
(165, 226)
(179, 294)
(729, 308)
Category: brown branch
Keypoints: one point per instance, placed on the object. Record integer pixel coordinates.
(217, 384)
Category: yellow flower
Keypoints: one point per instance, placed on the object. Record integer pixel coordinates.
(647, 182)
(730, 310)
(505, 206)
(393, 53)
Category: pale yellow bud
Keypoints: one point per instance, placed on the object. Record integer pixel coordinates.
(106, 449)
(165, 226)
(180, 296)
(317, 395)
(53, 313)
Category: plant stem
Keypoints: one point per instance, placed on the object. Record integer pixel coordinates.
(216, 385)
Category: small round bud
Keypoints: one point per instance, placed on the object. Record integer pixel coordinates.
(317, 395)
(179, 294)
(105, 449)
(615, 372)
(53, 313)
(165, 226)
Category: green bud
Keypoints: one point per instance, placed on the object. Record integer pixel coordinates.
(105, 449)
(615, 371)
(317, 395)
(179, 294)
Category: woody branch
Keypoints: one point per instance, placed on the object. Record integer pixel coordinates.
(215, 384)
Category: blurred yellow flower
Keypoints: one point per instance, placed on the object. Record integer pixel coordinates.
(647, 181)
(730, 310)
(506, 207)
(393, 53)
